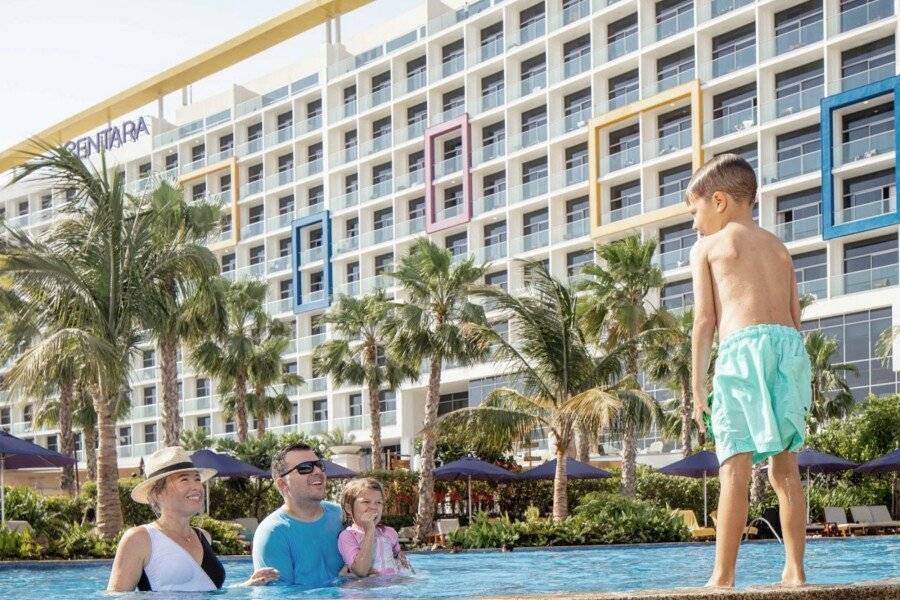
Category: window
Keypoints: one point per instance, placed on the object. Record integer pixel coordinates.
(734, 110)
(734, 50)
(533, 74)
(575, 261)
(5, 418)
(351, 227)
(498, 279)
(315, 238)
(228, 262)
(457, 245)
(798, 213)
(285, 163)
(387, 401)
(254, 132)
(867, 195)
(320, 410)
(380, 82)
(867, 63)
(673, 16)
(534, 170)
(314, 154)
(284, 289)
(198, 191)
(495, 183)
(284, 120)
(52, 443)
(623, 88)
(677, 295)
(313, 109)
(453, 198)
(149, 395)
(675, 244)
(535, 222)
(284, 247)
(625, 200)
(534, 119)
(46, 201)
(454, 100)
(495, 234)
(197, 152)
(384, 263)
(255, 173)
(350, 98)
(124, 436)
(27, 413)
(416, 114)
(258, 255)
(354, 405)
(150, 433)
(798, 151)
(286, 205)
(316, 325)
(868, 131)
(148, 359)
(415, 161)
(624, 139)
(381, 173)
(203, 423)
(384, 218)
(316, 282)
(225, 223)
(871, 254)
(381, 127)
(577, 108)
(315, 196)
(351, 183)
(144, 169)
(492, 89)
(673, 184)
(171, 161)
(255, 214)
(452, 52)
(811, 271)
(352, 272)
(225, 183)
(799, 88)
(451, 402)
(798, 26)
(577, 210)
(226, 142)
(675, 69)
(415, 208)
(201, 387)
(621, 36)
(415, 67)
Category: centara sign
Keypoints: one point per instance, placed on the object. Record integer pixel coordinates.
(109, 138)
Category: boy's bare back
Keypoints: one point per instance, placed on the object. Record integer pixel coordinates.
(749, 278)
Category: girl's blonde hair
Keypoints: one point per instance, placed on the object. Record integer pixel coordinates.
(354, 490)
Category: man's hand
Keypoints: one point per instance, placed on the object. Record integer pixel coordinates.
(700, 408)
(262, 577)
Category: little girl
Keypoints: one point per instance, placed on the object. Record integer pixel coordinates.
(368, 548)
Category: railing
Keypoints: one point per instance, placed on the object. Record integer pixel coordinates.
(817, 288)
(869, 12)
(277, 307)
(669, 143)
(622, 159)
(310, 168)
(532, 241)
(717, 8)
(669, 26)
(625, 45)
(377, 190)
(310, 342)
(625, 212)
(489, 152)
(279, 221)
(528, 190)
(571, 231)
(189, 405)
(673, 259)
(410, 132)
(410, 227)
(792, 167)
(347, 200)
(867, 147)
(144, 374)
(791, 40)
(576, 65)
(311, 255)
(449, 212)
(493, 48)
(533, 83)
(871, 208)
(452, 66)
(250, 147)
(620, 100)
(448, 166)
(530, 32)
(145, 411)
(866, 77)
(350, 288)
(492, 100)
(737, 121)
(252, 187)
(375, 98)
(792, 103)
(491, 252)
(575, 175)
(799, 229)
(865, 280)
(731, 62)
(450, 113)
(528, 137)
(414, 82)
(253, 229)
(487, 203)
(279, 179)
(282, 263)
(347, 245)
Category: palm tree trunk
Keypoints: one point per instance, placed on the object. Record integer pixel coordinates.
(66, 435)
(425, 513)
(240, 407)
(90, 451)
(560, 482)
(629, 458)
(109, 509)
(686, 418)
(375, 424)
(171, 418)
(582, 443)
(260, 411)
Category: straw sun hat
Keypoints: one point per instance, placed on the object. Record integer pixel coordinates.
(161, 464)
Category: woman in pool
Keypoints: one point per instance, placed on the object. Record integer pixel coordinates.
(367, 546)
(168, 554)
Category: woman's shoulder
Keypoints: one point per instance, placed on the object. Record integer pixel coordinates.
(135, 539)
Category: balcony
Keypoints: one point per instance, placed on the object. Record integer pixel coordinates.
(791, 40)
(315, 385)
(575, 120)
(792, 167)
(621, 99)
(575, 174)
(411, 227)
(22, 427)
(378, 236)
(378, 190)
(571, 230)
(146, 411)
(733, 122)
(279, 179)
(448, 166)
(575, 12)
(533, 83)
(450, 113)
(313, 427)
(867, 205)
(201, 403)
(375, 98)
(311, 255)
(491, 252)
(867, 147)
(449, 212)
(863, 281)
(347, 200)
(253, 229)
(378, 282)
(192, 166)
(414, 82)
(622, 46)
(625, 212)
(733, 61)
(350, 288)
(528, 190)
(275, 265)
(622, 159)
(669, 199)
(252, 187)
(252, 271)
(866, 77)
(347, 244)
(278, 307)
(279, 137)
(310, 342)
(576, 65)
(492, 100)
(670, 81)
(669, 26)
(817, 288)
(667, 144)
(317, 295)
(530, 32)
(490, 202)
(412, 132)
(349, 109)
(354, 423)
(871, 11)
(280, 221)
(673, 259)
(250, 147)
(453, 66)
(491, 49)
(531, 241)
(309, 168)
(489, 152)
(377, 144)
(799, 229)
(144, 374)
(717, 8)
(793, 103)
(411, 179)
(529, 137)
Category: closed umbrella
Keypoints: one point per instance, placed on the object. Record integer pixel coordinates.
(574, 470)
(697, 465)
(467, 469)
(17, 453)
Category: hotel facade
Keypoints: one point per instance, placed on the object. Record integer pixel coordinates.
(523, 129)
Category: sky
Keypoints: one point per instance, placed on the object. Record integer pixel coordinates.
(58, 57)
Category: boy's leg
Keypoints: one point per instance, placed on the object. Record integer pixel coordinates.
(785, 478)
(734, 481)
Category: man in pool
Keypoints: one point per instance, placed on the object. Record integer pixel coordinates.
(744, 286)
(300, 539)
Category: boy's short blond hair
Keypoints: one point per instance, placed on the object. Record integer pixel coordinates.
(729, 173)
(353, 490)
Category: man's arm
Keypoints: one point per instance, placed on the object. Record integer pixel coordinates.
(271, 549)
(704, 328)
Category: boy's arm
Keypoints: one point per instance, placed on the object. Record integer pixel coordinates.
(704, 327)
(795, 294)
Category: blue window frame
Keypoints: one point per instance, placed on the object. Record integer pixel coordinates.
(320, 219)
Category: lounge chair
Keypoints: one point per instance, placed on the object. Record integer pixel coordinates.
(249, 526)
(838, 516)
(406, 534)
(875, 518)
(748, 531)
(697, 532)
(444, 527)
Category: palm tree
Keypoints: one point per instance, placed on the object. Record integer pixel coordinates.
(616, 312)
(99, 266)
(359, 355)
(831, 396)
(434, 324)
(563, 382)
(180, 223)
(668, 360)
(265, 371)
(228, 353)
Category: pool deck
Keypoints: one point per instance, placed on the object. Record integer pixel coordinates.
(887, 589)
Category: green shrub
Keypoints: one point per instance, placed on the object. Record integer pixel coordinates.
(226, 537)
(483, 532)
(75, 540)
(676, 492)
(18, 545)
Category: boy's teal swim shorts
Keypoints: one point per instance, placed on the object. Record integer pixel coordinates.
(762, 391)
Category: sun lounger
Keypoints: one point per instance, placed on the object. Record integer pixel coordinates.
(875, 518)
(443, 527)
(882, 516)
(838, 516)
(697, 532)
(748, 531)
(249, 526)
(406, 534)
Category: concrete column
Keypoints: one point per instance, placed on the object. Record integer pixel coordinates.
(184, 96)
(159, 108)
(337, 29)
(328, 31)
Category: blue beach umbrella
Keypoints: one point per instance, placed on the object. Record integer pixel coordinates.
(697, 465)
(17, 453)
(574, 470)
(470, 468)
(336, 471)
(882, 464)
(225, 465)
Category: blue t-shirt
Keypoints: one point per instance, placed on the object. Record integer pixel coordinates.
(305, 554)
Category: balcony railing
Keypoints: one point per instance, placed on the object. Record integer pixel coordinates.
(411, 227)
(530, 32)
(669, 143)
(347, 244)
(491, 49)
(733, 61)
(310, 342)
(871, 11)
(533, 83)
(492, 100)
(200, 403)
(817, 288)
(278, 307)
(625, 212)
(791, 40)
(532, 241)
(253, 229)
(866, 77)
(144, 374)
(792, 167)
(793, 103)
(375, 98)
(528, 190)
(576, 174)
(867, 147)
(347, 200)
(622, 159)
(622, 46)
(576, 65)
(487, 203)
(145, 411)
(448, 166)
(494, 251)
(349, 288)
(311, 255)
(279, 221)
(669, 26)
(799, 229)
(453, 66)
(717, 8)
(414, 82)
(489, 152)
(275, 265)
(621, 99)
(863, 281)
(734, 122)
(867, 205)
(673, 259)
(571, 231)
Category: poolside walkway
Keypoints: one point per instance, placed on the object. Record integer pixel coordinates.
(888, 589)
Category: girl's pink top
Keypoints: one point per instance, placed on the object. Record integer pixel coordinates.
(386, 548)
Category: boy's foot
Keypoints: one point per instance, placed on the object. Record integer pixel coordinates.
(719, 583)
(793, 578)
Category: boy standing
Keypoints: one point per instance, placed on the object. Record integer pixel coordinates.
(745, 287)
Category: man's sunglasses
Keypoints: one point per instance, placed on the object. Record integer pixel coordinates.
(305, 468)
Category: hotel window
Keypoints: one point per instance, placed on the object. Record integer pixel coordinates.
(351, 183)
(383, 218)
(316, 282)
(257, 255)
(320, 410)
(415, 162)
(625, 200)
(5, 418)
(314, 153)
(416, 67)
(284, 120)
(198, 152)
(387, 401)
(416, 114)
(144, 170)
(149, 393)
(492, 90)
(533, 74)
(624, 139)
(798, 26)
(453, 198)
(453, 100)
(225, 183)
(150, 433)
(349, 98)
(255, 173)
(811, 271)
(285, 163)
(52, 443)
(623, 89)
(575, 261)
(457, 245)
(284, 247)
(675, 243)
(534, 119)
(531, 23)
(351, 227)
(675, 69)
(796, 146)
(284, 289)
(415, 208)
(255, 214)
(171, 161)
(254, 132)
(673, 16)
(381, 127)
(577, 50)
(451, 54)
(868, 63)
(352, 272)
(451, 402)
(497, 279)
(286, 205)
(313, 110)
(203, 423)
(380, 82)
(798, 89)
(27, 413)
(576, 156)
(534, 170)
(315, 196)
(535, 222)
(495, 234)
(797, 214)
(495, 183)
(867, 132)
(735, 110)
(354, 405)
(868, 195)
(384, 263)
(316, 325)
(124, 436)
(673, 184)
(491, 40)
(226, 142)
(201, 387)
(621, 36)
(228, 262)
(315, 238)
(198, 191)
(381, 173)
(148, 359)
(678, 295)
(577, 210)
(734, 50)
(870, 255)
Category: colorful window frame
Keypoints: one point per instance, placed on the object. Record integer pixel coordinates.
(461, 123)
(320, 218)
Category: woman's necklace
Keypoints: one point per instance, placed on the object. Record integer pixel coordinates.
(185, 537)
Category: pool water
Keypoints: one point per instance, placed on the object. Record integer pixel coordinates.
(474, 574)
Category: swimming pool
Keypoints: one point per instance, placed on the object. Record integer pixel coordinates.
(474, 574)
